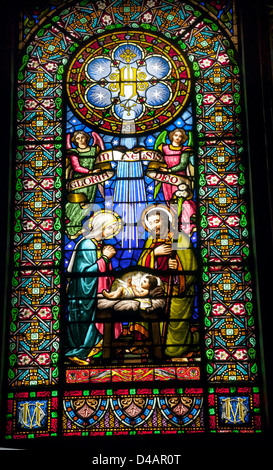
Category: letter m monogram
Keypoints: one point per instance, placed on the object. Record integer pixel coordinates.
(234, 410)
(31, 414)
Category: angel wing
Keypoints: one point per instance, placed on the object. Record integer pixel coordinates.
(190, 142)
(68, 165)
(68, 141)
(161, 139)
(190, 167)
(97, 140)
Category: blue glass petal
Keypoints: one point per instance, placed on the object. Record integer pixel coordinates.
(98, 96)
(128, 109)
(128, 53)
(157, 95)
(99, 68)
(157, 66)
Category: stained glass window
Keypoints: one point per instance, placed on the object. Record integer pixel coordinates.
(132, 308)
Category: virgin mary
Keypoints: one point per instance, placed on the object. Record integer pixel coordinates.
(90, 268)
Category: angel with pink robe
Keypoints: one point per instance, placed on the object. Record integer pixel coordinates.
(177, 161)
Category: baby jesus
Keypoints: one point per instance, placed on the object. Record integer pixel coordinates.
(130, 290)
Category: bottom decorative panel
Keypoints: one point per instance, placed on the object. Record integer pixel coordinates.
(104, 412)
(133, 411)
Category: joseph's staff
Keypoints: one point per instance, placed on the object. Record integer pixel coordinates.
(168, 303)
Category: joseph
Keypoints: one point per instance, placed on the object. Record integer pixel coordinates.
(174, 261)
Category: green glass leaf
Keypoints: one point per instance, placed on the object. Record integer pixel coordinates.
(56, 299)
(246, 251)
(12, 359)
(202, 180)
(14, 282)
(40, 33)
(199, 99)
(204, 222)
(57, 225)
(249, 295)
(248, 276)
(209, 369)
(55, 372)
(58, 183)
(243, 221)
(241, 179)
(54, 358)
(61, 69)
(57, 280)
(237, 97)
(56, 325)
(58, 236)
(207, 308)
(55, 345)
(14, 314)
(12, 327)
(14, 301)
(210, 354)
(183, 45)
(252, 353)
(21, 104)
(11, 374)
(17, 226)
(55, 311)
(19, 185)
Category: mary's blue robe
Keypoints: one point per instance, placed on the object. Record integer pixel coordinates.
(82, 334)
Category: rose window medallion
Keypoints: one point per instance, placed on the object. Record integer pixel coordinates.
(128, 83)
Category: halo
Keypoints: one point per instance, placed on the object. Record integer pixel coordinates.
(158, 208)
(114, 215)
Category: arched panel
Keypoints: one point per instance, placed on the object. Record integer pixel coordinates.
(125, 77)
